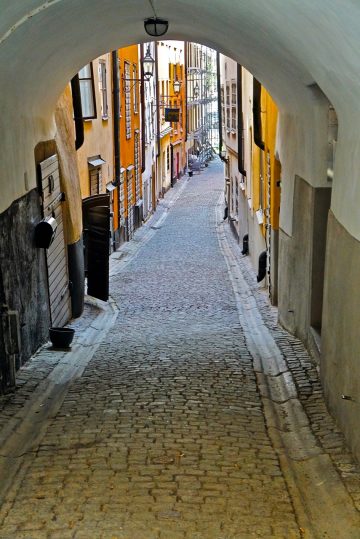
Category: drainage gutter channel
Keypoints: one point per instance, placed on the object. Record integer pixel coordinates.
(322, 505)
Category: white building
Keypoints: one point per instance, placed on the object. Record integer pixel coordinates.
(149, 133)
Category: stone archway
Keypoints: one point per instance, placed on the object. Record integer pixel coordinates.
(291, 47)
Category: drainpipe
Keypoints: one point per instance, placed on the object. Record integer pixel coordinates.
(157, 101)
(78, 116)
(219, 100)
(157, 97)
(116, 124)
(240, 122)
(116, 113)
(185, 116)
(171, 165)
(142, 101)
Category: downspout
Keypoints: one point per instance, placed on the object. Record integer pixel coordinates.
(240, 122)
(116, 113)
(171, 165)
(185, 90)
(78, 116)
(142, 101)
(219, 100)
(157, 101)
(75, 251)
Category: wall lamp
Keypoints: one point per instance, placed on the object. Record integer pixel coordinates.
(148, 64)
(177, 86)
(196, 91)
(156, 27)
(223, 156)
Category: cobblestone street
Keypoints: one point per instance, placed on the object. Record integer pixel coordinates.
(167, 433)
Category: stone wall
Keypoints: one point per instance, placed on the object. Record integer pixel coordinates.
(23, 272)
(301, 261)
(340, 361)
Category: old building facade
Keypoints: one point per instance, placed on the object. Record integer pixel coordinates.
(252, 170)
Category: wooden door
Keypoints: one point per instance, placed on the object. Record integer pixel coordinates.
(56, 254)
(96, 221)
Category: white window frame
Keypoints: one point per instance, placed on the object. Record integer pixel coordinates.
(135, 89)
(87, 92)
(103, 89)
(127, 100)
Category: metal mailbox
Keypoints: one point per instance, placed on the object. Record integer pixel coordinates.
(45, 232)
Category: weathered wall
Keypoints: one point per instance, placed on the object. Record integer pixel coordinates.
(243, 220)
(340, 361)
(70, 183)
(23, 269)
(274, 266)
(302, 145)
(98, 135)
(72, 209)
(295, 263)
(301, 261)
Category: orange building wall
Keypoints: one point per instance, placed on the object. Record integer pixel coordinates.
(127, 146)
(261, 159)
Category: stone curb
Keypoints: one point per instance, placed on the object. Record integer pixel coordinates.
(303, 462)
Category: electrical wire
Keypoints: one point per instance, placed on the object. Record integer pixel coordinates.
(152, 7)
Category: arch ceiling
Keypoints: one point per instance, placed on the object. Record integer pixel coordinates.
(287, 44)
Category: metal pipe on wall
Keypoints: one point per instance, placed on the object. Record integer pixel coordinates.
(78, 116)
(219, 100)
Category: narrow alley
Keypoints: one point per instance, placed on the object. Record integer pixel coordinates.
(190, 414)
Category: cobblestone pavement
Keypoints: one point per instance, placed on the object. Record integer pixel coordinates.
(33, 373)
(309, 390)
(164, 435)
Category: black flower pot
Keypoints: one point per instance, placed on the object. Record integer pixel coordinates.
(61, 337)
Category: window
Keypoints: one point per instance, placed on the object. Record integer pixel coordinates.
(233, 94)
(95, 181)
(127, 100)
(227, 106)
(233, 118)
(261, 181)
(122, 196)
(135, 89)
(222, 105)
(227, 94)
(168, 158)
(228, 118)
(233, 106)
(129, 182)
(86, 81)
(148, 125)
(103, 88)
(137, 165)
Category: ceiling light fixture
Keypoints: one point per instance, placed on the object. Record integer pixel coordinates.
(156, 27)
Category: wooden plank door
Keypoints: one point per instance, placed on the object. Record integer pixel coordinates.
(56, 254)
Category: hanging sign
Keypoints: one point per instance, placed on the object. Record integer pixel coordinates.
(172, 115)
